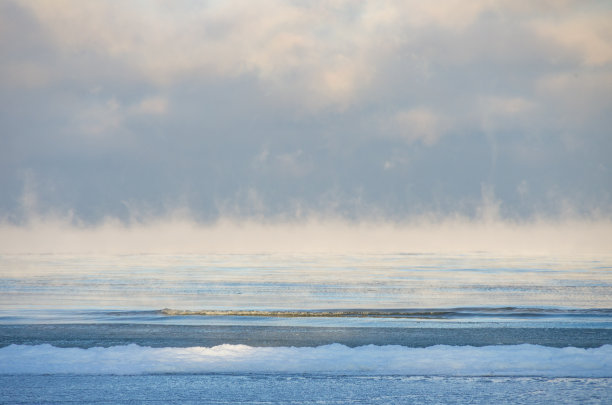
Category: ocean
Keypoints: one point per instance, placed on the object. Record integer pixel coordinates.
(474, 328)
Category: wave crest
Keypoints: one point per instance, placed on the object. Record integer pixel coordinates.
(515, 360)
(436, 313)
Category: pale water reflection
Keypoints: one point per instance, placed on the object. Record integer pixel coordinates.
(303, 282)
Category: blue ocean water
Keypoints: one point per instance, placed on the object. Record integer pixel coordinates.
(305, 328)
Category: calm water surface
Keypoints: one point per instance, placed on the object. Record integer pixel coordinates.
(289, 282)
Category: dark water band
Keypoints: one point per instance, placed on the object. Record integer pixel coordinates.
(106, 335)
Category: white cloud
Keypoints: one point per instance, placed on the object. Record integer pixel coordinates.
(579, 98)
(499, 113)
(585, 36)
(98, 119)
(107, 118)
(151, 106)
(311, 49)
(317, 54)
(419, 124)
(293, 164)
(507, 106)
(327, 51)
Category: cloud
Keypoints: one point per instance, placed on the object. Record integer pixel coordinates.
(281, 109)
(329, 53)
(151, 106)
(23, 75)
(581, 95)
(587, 36)
(506, 113)
(419, 124)
(99, 118)
(507, 106)
(307, 48)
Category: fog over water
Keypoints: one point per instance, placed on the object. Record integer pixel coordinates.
(323, 201)
(183, 235)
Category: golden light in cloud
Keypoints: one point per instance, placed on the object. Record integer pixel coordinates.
(587, 36)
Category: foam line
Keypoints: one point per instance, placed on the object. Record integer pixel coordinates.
(515, 360)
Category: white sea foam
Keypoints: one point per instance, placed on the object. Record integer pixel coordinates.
(518, 360)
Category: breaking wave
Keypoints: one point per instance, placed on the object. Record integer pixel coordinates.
(404, 313)
(510, 360)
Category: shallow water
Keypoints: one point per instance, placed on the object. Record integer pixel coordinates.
(301, 389)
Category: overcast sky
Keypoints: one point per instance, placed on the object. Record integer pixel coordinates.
(277, 110)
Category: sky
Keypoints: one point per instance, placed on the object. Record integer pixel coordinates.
(277, 111)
